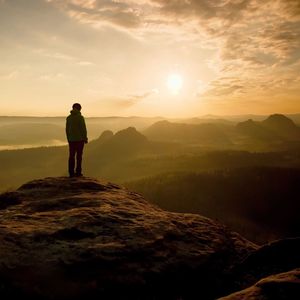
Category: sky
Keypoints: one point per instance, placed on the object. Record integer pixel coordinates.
(149, 57)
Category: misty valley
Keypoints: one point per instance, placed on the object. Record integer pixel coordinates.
(243, 172)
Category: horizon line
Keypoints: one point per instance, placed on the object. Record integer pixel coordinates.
(151, 117)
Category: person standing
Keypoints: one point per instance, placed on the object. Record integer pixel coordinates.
(77, 136)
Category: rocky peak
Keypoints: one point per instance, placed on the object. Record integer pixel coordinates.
(278, 120)
(283, 126)
(129, 134)
(106, 135)
(247, 124)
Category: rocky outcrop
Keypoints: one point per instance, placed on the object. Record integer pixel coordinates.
(281, 286)
(272, 258)
(78, 238)
(110, 147)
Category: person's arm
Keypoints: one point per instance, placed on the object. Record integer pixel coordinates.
(84, 131)
(67, 129)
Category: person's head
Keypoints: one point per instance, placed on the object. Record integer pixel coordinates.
(76, 106)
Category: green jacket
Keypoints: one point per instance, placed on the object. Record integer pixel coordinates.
(75, 127)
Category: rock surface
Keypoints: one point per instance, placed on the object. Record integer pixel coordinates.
(283, 286)
(78, 238)
(272, 258)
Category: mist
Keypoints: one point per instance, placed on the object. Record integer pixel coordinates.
(168, 161)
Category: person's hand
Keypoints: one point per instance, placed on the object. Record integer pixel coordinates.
(86, 141)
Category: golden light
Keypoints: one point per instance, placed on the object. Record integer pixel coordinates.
(174, 83)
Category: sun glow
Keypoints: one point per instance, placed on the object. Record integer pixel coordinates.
(174, 83)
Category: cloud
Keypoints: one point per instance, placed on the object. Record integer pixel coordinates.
(85, 63)
(264, 86)
(52, 76)
(101, 12)
(257, 25)
(249, 47)
(123, 102)
(254, 39)
(63, 57)
(56, 55)
(131, 100)
(144, 95)
(291, 8)
(215, 17)
(281, 40)
(10, 76)
(226, 86)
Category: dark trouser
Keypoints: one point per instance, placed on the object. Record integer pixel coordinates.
(75, 148)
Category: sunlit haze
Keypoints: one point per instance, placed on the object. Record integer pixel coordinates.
(174, 83)
(149, 57)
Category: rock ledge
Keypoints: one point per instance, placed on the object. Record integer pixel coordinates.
(74, 238)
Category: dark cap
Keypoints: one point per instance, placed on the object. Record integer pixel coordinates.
(76, 106)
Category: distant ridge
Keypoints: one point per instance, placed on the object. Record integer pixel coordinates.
(283, 126)
(129, 135)
(275, 127)
(256, 130)
(202, 133)
(124, 143)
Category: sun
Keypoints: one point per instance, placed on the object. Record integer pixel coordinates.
(174, 83)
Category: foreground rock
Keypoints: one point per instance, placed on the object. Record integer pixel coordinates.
(261, 271)
(64, 238)
(272, 258)
(282, 286)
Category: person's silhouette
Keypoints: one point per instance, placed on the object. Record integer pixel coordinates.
(77, 136)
